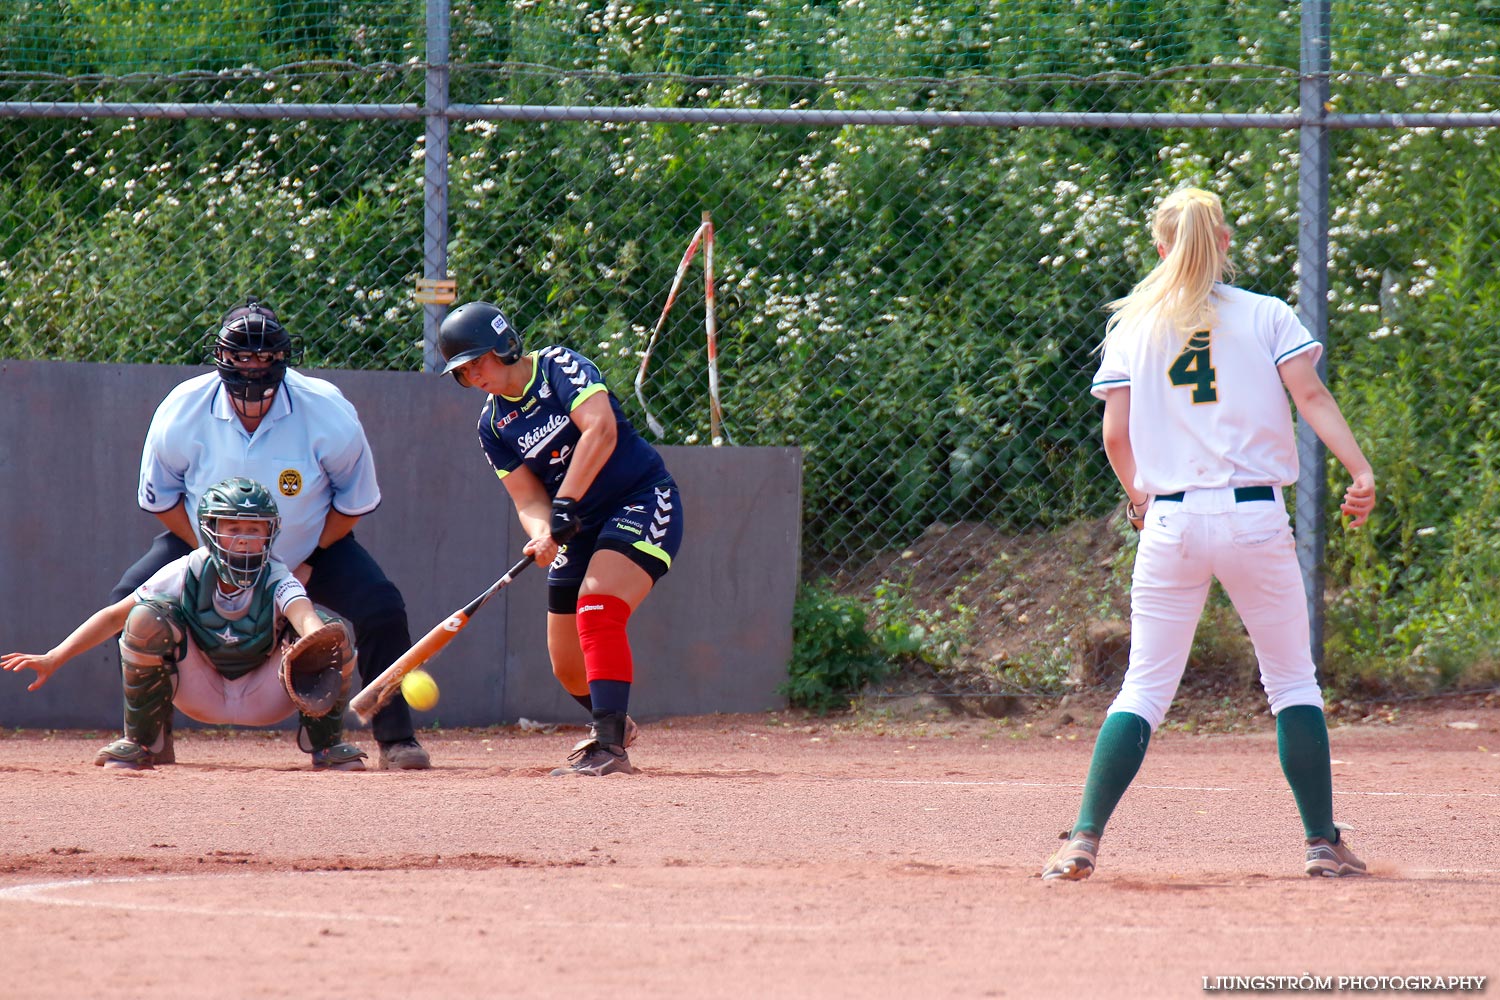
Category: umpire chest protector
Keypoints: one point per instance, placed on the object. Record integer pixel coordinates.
(234, 646)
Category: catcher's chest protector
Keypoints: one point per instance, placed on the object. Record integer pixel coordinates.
(235, 647)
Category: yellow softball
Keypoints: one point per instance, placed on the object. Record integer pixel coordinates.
(419, 690)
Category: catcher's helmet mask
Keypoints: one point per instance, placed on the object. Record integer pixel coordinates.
(252, 329)
(238, 499)
(473, 330)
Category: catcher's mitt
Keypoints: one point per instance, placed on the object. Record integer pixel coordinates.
(315, 670)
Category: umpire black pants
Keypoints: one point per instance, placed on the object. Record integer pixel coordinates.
(347, 581)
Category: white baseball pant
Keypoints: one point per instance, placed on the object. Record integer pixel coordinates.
(254, 699)
(1248, 547)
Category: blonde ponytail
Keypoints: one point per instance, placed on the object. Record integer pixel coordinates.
(1176, 298)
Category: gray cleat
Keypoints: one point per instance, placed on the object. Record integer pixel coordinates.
(1332, 858)
(603, 752)
(125, 753)
(339, 757)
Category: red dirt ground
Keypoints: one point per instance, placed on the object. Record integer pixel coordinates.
(753, 856)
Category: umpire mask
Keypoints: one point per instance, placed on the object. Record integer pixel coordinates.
(251, 352)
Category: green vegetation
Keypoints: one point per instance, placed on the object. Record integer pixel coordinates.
(833, 656)
(915, 307)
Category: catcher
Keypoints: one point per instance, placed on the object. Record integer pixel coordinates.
(212, 635)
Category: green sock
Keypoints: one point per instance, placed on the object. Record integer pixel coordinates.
(1302, 739)
(1117, 757)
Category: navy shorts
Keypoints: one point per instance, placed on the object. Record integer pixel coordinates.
(646, 528)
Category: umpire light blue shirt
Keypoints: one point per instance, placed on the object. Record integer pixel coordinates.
(310, 451)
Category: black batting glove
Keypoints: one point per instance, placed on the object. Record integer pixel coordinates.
(564, 519)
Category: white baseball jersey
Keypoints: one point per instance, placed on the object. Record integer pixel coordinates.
(1213, 412)
(309, 451)
(168, 583)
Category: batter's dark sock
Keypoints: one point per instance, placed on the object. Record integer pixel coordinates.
(609, 697)
(1302, 740)
(584, 700)
(1117, 758)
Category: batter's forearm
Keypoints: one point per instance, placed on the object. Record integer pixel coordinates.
(592, 451)
(533, 505)
(535, 522)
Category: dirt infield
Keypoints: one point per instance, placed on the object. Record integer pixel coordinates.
(753, 856)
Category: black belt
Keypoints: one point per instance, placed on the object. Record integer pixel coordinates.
(1242, 494)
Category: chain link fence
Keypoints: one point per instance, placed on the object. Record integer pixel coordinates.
(907, 289)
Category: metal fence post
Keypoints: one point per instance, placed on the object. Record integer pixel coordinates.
(435, 176)
(1312, 299)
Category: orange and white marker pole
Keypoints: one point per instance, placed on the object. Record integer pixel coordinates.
(715, 415)
(704, 237)
(640, 375)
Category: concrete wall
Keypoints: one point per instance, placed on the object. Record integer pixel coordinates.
(715, 636)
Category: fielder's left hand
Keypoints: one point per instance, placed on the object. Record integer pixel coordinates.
(1359, 499)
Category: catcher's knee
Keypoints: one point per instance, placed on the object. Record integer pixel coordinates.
(152, 637)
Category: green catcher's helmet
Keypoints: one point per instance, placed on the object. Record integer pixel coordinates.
(239, 499)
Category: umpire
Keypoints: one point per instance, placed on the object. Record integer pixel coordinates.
(256, 417)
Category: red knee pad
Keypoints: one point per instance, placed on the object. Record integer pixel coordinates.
(601, 633)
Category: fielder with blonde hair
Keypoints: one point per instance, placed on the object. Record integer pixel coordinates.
(1195, 377)
(1178, 293)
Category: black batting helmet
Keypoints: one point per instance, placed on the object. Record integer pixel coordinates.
(251, 329)
(473, 330)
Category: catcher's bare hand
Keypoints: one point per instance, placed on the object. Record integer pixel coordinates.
(44, 664)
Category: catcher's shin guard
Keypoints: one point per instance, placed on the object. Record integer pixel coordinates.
(148, 710)
(149, 646)
(323, 737)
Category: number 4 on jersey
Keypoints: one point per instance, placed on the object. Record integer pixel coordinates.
(1194, 367)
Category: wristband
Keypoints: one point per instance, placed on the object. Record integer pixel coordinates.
(564, 524)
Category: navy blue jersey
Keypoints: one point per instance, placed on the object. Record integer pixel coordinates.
(536, 430)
